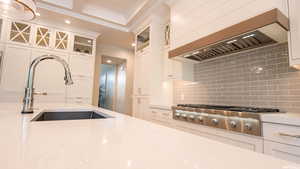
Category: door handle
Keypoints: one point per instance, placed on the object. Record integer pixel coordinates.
(289, 135)
(40, 93)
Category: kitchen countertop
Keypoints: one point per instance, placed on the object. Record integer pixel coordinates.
(282, 118)
(115, 143)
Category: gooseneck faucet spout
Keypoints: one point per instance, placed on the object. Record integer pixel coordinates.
(29, 90)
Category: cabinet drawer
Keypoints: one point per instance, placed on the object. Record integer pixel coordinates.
(282, 133)
(79, 100)
(282, 151)
(161, 115)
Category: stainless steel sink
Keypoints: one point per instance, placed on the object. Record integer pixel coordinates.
(69, 115)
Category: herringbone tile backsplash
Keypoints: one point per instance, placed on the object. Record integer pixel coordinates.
(259, 78)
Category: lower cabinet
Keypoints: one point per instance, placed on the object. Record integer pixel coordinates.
(282, 141)
(160, 116)
(282, 151)
(141, 107)
(164, 117)
(81, 91)
(252, 143)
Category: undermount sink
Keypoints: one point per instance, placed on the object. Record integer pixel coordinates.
(69, 115)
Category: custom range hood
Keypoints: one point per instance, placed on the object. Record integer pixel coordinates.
(268, 28)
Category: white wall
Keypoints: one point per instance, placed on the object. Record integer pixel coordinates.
(117, 52)
(193, 19)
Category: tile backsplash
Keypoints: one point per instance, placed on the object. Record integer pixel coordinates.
(259, 78)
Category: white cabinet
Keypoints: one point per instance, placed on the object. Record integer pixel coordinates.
(20, 33)
(42, 37)
(141, 73)
(282, 141)
(294, 34)
(49, 76)
(62, 40)
(15, 68)
(160, 116)
(252, 143)
(176, 70)
(282, 151)
(82, 65)
(80, 91)
(141, 107)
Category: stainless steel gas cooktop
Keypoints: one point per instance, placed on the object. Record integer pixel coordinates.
(233, 118)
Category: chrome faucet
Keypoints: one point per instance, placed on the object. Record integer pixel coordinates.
(29, 90)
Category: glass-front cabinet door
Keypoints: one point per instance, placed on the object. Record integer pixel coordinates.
(42, 37)
(20, 32)
(83, 45)
(61, 40)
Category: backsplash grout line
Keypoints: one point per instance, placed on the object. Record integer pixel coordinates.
(260, 78)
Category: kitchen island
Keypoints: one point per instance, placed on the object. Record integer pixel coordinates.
(114, 143)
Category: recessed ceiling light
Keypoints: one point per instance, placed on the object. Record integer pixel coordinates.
(108, 61)
(133, 44)
(37, 14)
(67, 22)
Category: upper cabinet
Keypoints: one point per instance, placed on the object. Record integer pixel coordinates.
(42, 37)
(28, 34)
(61, 40)
(20, 32)
(294, 34)
(143, 39)
(83, 45)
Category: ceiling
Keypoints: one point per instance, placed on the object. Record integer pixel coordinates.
(110, 18)
(106, 34)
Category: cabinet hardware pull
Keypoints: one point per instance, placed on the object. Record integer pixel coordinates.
(153, 111)
(41, 93)
(289, 135)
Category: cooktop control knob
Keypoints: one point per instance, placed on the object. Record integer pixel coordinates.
(248, 126)
(233, 124)
(177, 114)
(191, 116)
(200, 118)
(183, 115)
(215, 121)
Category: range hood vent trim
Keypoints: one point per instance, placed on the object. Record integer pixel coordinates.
(234, 38)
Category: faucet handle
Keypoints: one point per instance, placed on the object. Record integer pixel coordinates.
(40, 93)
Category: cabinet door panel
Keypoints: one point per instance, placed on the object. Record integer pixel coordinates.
(49, 76)
(141, 107)
(142, 71)
(282, 151)
(294, 16)
(82, 65)
(15, 68)
(81, 89)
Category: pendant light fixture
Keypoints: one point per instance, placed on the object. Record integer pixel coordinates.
(18, 9)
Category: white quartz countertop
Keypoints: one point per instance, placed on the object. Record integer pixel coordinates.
(115, 143)
(282, 118)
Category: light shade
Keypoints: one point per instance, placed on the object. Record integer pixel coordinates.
(18, 9)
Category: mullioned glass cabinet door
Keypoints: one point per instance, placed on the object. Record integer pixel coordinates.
(42, 37)
(20, 32)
